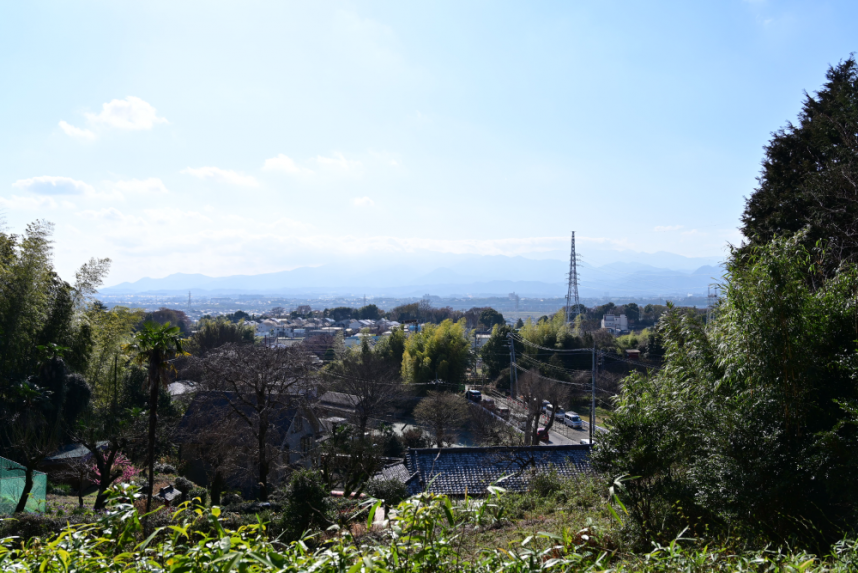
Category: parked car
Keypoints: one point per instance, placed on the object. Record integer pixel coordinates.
(474, 395)
(503, 412)
(542, 435)
(587, 442)
(573, 420)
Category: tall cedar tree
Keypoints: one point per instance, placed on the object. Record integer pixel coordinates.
(810, 172)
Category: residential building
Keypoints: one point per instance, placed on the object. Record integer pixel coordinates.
(615, 324)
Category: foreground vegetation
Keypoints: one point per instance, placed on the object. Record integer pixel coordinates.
(424, 533)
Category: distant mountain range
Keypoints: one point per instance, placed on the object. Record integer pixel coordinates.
(461, 275)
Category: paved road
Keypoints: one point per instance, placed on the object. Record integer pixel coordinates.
(559, 434)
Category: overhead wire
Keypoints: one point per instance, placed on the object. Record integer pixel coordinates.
(555, 350)
(632, 362)
(577, 384)
(553, 367)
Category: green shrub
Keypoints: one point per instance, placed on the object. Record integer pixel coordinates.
(425, 534)
(60, 489)
(198, 493)
(306, 504)
(392, 491)
(184, 485)
(546, 483)
(168, 469)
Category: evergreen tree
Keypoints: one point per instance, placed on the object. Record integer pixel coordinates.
(810, 172)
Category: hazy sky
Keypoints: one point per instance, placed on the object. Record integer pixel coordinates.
(250, 137)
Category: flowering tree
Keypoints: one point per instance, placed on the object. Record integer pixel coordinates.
(122, 469)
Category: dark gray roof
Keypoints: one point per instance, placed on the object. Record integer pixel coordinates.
(339, 400)
(456, 471)
(72, 452)
(168, 493)
(395, 471)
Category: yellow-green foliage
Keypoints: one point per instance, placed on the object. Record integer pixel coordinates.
(633, 340)
(439, 351)
(553, 333)
(110, 330)
(424, 533)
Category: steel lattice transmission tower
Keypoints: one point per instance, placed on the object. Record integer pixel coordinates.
(572, 301)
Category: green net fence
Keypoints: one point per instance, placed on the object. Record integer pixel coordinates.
(12, 484)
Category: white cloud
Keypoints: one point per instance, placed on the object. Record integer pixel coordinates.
(77, 132)
(176, 217)
(222, 176)
(17, 202)
(363, 202)
(338, 163)
(111, 215)
(129, 113)
(285, 164)
(665, 229)
(150, 186)
(48, 185)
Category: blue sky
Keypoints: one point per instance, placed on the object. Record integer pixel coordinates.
(248, 137)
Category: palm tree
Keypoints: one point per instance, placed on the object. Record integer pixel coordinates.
(155, 345)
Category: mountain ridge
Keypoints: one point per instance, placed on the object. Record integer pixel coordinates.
(488, 275)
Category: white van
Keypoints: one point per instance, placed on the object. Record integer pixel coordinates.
(573, 420)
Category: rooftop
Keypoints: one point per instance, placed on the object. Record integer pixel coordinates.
(457, 471)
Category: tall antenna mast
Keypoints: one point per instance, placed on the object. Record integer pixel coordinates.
(189, 300)
(572, 292)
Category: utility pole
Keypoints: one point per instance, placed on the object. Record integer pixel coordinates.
(572, 291)
(513, 374)
(593, 400)
(711, 301)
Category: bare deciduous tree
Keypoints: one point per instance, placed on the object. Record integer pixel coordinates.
(374, 382)
(444, 414)
(78, 473)
(535, 389)
(491, 430)
(221, 447)
(31, 439)
(259, 385)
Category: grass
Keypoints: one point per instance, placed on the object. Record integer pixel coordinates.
(603, 415)
(60, 505)
(554, 505)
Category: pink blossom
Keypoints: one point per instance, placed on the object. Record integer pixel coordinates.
(121, 463)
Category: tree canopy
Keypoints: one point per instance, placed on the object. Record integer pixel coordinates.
(437, 352)
(810, 171)
(752, 424)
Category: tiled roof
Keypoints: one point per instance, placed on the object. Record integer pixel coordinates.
(456, 471)
(395, 471)
(339, 399)
(72, 452)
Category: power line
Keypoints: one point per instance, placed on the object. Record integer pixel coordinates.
(576, 384)
(633, 362)
(558, 350)
(553, 367)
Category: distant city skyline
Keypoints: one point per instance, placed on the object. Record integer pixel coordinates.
(259, 137)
